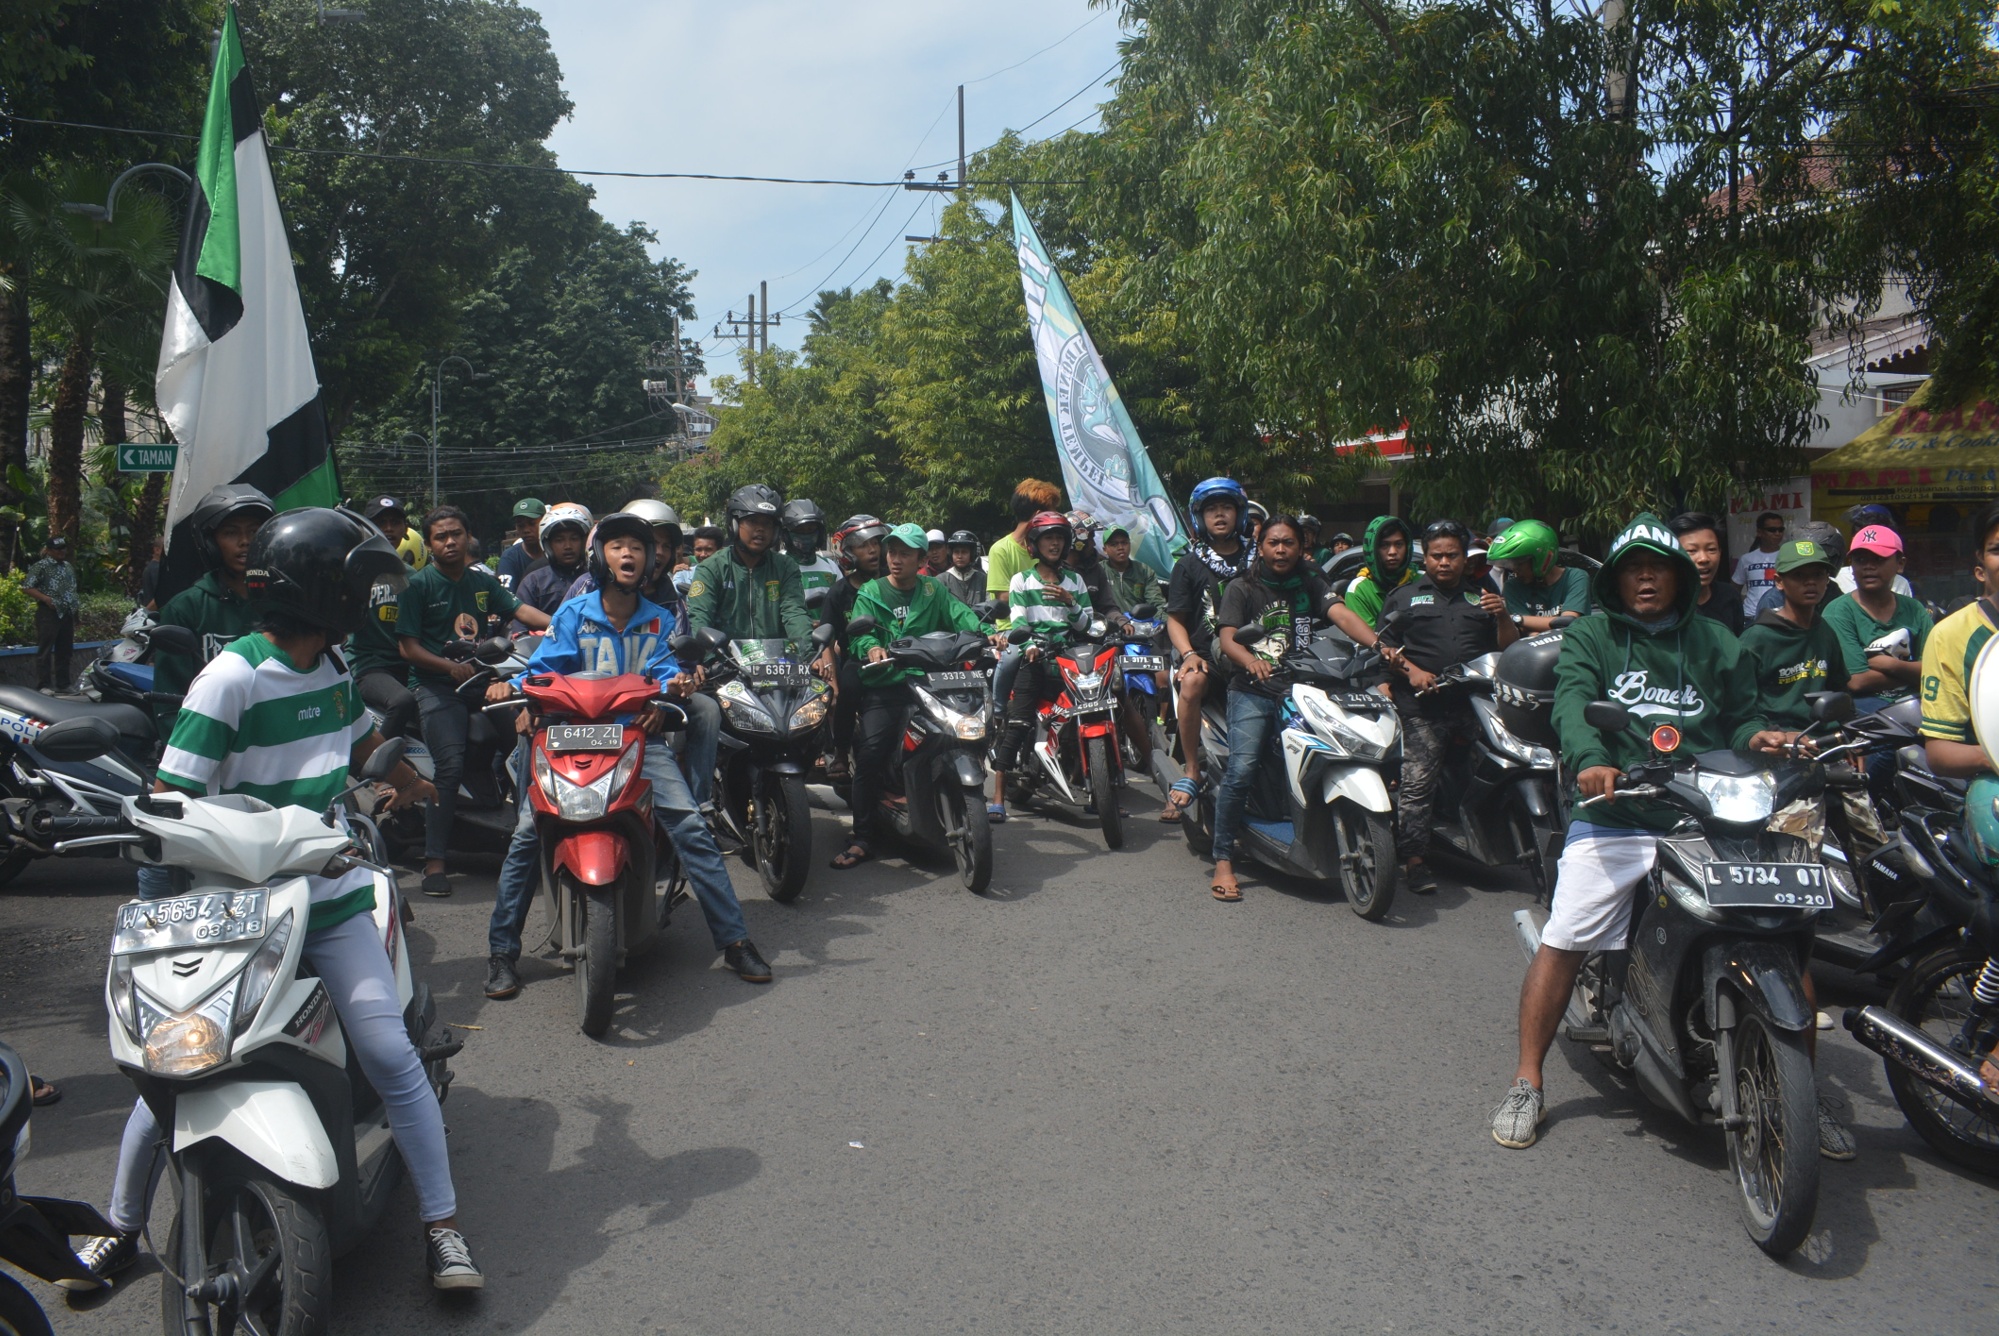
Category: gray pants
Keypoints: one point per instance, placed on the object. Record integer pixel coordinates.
(446, 719)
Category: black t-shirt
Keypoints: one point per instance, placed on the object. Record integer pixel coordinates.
(838, 607)
(1436, 630)
(1724, 604)
(1286, 618)
(1102, 601)
(1193, 590)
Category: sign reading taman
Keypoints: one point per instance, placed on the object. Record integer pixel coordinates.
(136, 458)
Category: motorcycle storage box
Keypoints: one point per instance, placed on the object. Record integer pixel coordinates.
(1523, 687)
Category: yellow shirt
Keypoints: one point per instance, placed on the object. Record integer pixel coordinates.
(1948, 657)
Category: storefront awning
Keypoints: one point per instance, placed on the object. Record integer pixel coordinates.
(1914, 455)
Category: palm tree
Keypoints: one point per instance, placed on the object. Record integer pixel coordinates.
(96, 287)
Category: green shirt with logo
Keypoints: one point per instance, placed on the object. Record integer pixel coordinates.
(435, 610)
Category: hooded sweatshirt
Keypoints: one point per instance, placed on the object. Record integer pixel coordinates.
(1790, 662)
(1368, 590)
(1684, 670)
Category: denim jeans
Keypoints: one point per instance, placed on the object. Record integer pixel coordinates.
(673, 805)
(446, 719)
(698, 745)
(1252, 724)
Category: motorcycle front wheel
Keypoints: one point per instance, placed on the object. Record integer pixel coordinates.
(781, 830)
(1103, 791)
(271, 1245)
(1935, 997)
(597, 965)
(1775, 1153)
(1366, 842)
(970, 832)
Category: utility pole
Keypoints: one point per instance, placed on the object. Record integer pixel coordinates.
(763, 289)
(436, 402)
(961, 136)
(943, 183)
(752, 329)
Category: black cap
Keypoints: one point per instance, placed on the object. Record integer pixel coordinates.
(381, 506)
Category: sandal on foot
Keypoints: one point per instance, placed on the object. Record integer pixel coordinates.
(996, 813)
(853, 855)
(1178, 799)
(46, 1092)
(1228, 895)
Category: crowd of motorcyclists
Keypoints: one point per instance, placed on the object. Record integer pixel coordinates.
(372, 624)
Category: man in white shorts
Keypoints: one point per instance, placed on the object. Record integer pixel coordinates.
(1648, 650)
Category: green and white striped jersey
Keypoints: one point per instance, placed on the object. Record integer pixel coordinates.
(252, 723)
(1042, 606)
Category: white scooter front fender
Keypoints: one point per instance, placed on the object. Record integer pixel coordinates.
(272, 1122)
(1360, 785)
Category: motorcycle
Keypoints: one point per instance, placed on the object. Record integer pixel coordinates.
(774, 712)
(34, 1231)
(940, 774)
(1148, 705)
(1706, 1007)
(1077, 749)
(122, 672)
(610, 871)
(281, 1151)
(1332, 820)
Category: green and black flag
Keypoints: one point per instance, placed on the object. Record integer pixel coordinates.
(236, 380)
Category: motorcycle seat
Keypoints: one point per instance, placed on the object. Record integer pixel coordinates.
(130, 721)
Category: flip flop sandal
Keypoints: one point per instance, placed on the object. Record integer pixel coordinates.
(848, 857)
(46, 1092)
(1185, 792)
(1228, 895)
(996, 813)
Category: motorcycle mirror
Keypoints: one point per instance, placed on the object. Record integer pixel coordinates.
(712, 638)
(1096, 631)
(680, 645)
(382, 761)
(75, 740)
(1831, 706)
(860, 626)
(984, 610)
(1019, 635)
(1144, 612)
(1606, 716)
(1248, 635)
(1560, 623)
(459, 650)
(498, 649)
(815, 598)
(174, 640)
(822, 635)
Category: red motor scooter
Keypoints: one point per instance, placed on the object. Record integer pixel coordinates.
(1077, 750)
(610, 872)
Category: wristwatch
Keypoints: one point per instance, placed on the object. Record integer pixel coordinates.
(1519, 622)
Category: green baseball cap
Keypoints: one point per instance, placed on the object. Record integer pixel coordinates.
(1800, 553)
(910, 536)
(527, 508)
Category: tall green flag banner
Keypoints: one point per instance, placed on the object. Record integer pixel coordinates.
(1104, 463)
(236, 380)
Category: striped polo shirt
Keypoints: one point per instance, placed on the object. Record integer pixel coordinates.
(253, 724)
(1028, 600)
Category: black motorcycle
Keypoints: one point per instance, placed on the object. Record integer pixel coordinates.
(937, 783)
(1500, 796)
(1706, 1007)
(34, 1231)
(774, 714)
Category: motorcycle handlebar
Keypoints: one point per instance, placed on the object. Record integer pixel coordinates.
(82, 825)
(1635, 791)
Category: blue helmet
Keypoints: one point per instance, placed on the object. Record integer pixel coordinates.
(1210, 489)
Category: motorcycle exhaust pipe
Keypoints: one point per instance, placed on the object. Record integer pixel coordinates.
(1909, 1048)
(1529, 935)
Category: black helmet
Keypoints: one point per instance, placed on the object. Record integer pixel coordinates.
(800, 520)
(623, 524)
(320, 566)
(224, 502)
(755, 501)
(963, 538)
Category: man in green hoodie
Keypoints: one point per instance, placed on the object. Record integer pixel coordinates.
(1388, 568)
(1653, 654)
(1790, 650)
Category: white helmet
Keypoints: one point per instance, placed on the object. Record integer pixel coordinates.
(568, 512)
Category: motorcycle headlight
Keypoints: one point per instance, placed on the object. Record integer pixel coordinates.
(965, 727)
(588, 802)
(1364, 739)
(258, 974)
(809, 715)
(1690, 898)
(745, 711)
(118, 993)
(1739, 798)
(1541, 758)
(183, 1043)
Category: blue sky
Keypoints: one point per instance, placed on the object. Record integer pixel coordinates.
(856, 89)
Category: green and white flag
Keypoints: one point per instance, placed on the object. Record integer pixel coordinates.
(1104, 463)
(236, 380)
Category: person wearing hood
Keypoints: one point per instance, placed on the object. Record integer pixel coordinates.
(1654, 654)
(1388, 568)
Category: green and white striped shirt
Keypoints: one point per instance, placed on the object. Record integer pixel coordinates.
(1030, 601)
(252, 723)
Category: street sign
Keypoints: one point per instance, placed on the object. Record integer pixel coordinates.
(136, 458)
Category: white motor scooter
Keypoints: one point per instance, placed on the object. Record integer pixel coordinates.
(281, 1151)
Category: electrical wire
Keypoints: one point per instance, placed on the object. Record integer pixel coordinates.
(1098, 17)
(1094, 83)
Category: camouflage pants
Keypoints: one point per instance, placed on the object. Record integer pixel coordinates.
(1426, 741)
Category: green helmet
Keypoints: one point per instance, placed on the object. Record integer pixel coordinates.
(1530, 541)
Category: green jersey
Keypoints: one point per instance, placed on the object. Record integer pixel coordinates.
(1856, 629)
(761, 602)
(1567, 594)
(898, 613)
(217, 617)
(255, 723)
(1047, 605)
(435, 610)
(376, 645)
(1789, 662)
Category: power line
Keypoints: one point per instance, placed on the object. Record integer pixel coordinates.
(888, 198)
(1042, 52)
(1094, 83)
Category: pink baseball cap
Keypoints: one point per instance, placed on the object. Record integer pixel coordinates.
(1878, 539)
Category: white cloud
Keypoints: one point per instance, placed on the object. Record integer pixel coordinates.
(786, 88)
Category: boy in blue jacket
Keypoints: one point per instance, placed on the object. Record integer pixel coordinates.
(614, 629)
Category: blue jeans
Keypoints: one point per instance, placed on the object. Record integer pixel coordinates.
(446, 720)
(674, 806)
(698, 745)
(1252, 720)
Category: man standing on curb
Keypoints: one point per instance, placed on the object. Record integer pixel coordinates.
(51, 583)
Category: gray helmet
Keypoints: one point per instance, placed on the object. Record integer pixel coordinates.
(224, 502)
(656, 513)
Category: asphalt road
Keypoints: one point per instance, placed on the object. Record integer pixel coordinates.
(1093, 1101)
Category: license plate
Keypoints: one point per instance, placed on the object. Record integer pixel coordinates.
(1358, 700)
(1767, 886)
(956, 681)
(1143, 663)
(779, 675)
(585, 737)
(188, 920)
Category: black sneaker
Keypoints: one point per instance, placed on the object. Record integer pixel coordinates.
(105, 1256)
(1420, 879)
(451, 1264)
(501, 981)
(742, 957)
(437, 884)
